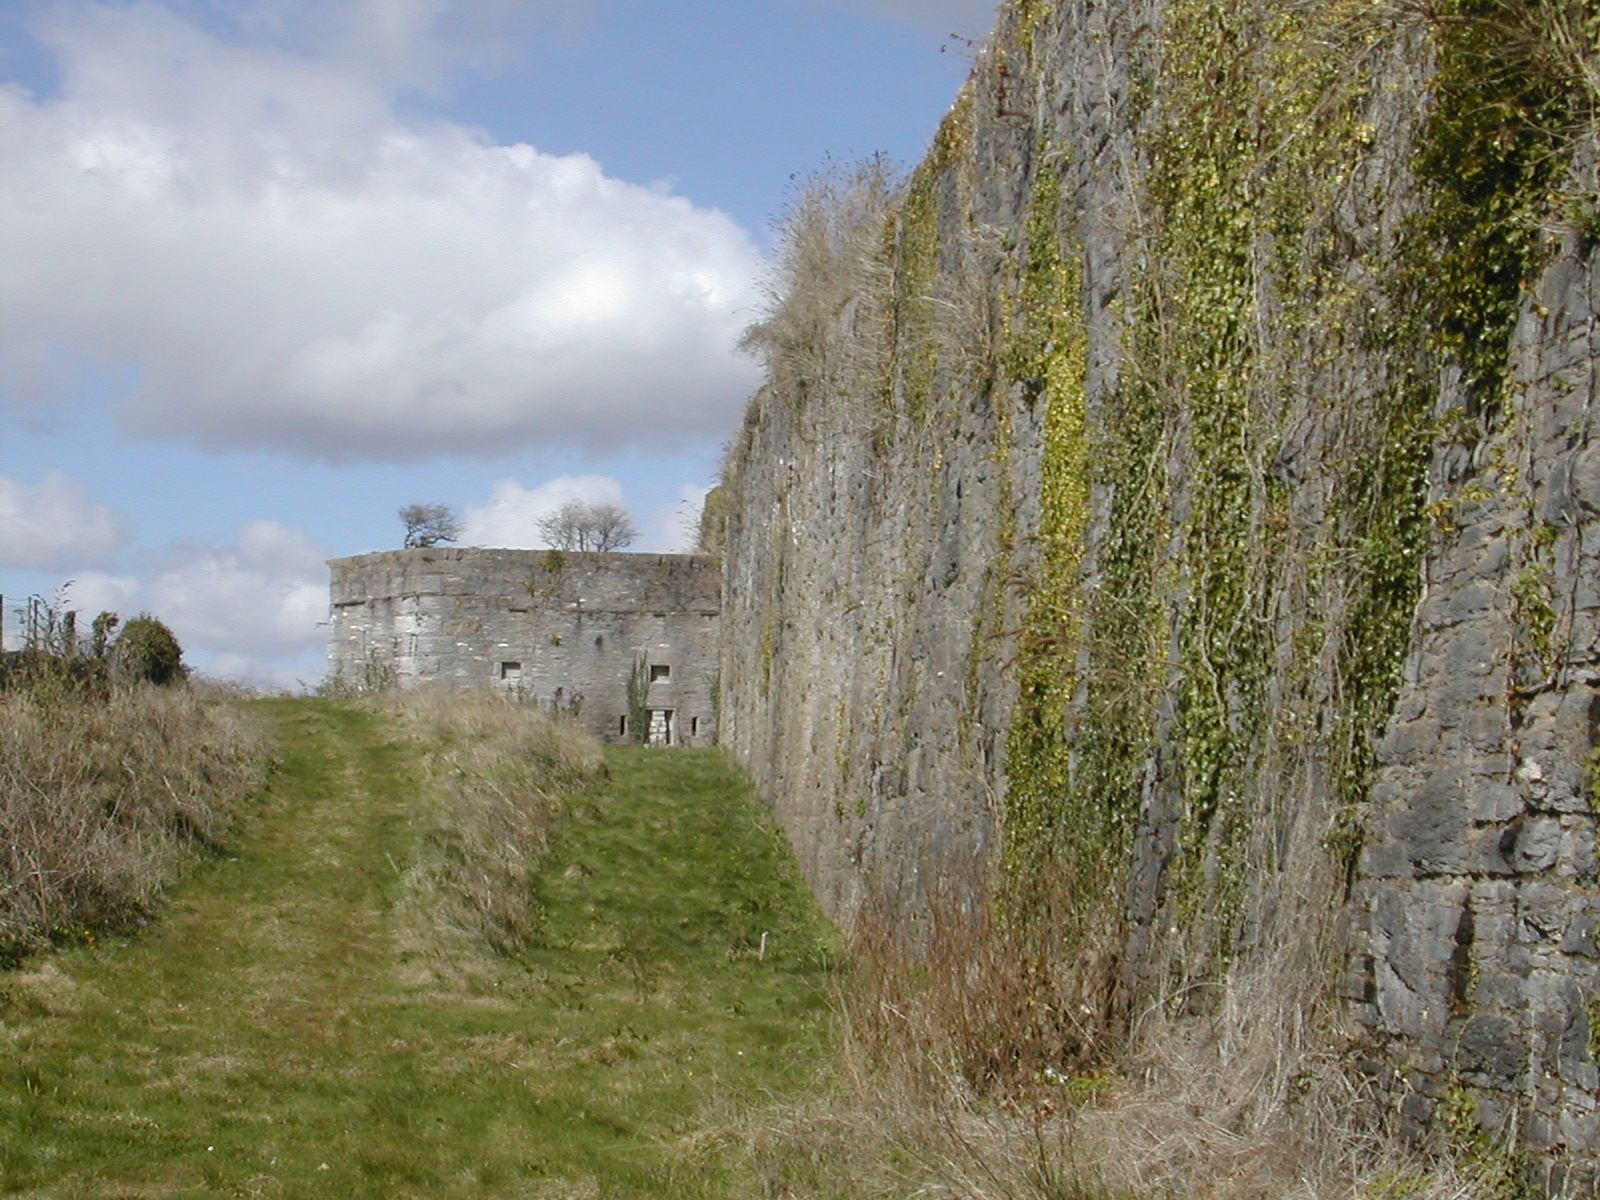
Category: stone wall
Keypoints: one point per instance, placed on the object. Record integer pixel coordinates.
(1192, 509)
(565, 630)
(1477, 966)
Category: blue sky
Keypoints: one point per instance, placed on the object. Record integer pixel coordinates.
(272, 268)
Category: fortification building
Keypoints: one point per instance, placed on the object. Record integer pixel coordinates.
(626, 643)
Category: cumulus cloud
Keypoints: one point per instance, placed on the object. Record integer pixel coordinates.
(54, 524)
(285, 262)
(969, 18)
(396, 43)
(243, 610)
(676, 527)
(509, 519)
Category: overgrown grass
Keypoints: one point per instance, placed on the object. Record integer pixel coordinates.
(496, 774)
(301, 1024)
(458, 954)
(961, 1073)
(103, 798)
(830, 275)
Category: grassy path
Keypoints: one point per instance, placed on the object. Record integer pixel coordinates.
(282, 1031)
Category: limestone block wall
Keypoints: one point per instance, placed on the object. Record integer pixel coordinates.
(1476, 961)
(1199, 503)
(565, 630)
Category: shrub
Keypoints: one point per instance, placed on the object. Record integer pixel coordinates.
(43, 673)
(825, 328)
(146, 650)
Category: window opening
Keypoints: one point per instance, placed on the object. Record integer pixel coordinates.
(510, 670)
(659, 671)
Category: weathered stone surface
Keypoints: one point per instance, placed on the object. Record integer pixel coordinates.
(884, 552)
(1532, 972)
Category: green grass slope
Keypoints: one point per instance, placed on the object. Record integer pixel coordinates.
(284, 1030)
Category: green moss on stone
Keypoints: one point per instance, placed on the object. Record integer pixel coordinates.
(1046, 359)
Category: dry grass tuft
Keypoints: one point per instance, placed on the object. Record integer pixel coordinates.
(945, 1087)
(102, 800)
(499, 771)
(1257, 1099)
(968, 996)
(826, 330)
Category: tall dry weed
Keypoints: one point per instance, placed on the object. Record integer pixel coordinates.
(101, 800)
(826, 328)
(497, 772)
(968, 996)
(963, 1072)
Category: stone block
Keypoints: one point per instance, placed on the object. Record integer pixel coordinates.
(1584, 476)
(1418, 1108)
(1492, 800)
(1531, 844)
(1434, 824)
(1472, 600)
(1578, 850)
(1580, 1128)
(1408, 742)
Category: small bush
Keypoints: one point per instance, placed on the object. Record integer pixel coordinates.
(43, 673)
(146, 650)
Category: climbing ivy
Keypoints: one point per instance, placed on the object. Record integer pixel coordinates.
(1488, 164)
(1489, 167)
(914, 312)
(1207, 206)
(1212, 630)
(1249, 139)
(638, 690)
(1046, 359)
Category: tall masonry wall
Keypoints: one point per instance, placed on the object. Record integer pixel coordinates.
(1196, 508)
(566, 630)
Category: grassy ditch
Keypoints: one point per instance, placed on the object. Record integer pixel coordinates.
(332, 1011)
(457, 952)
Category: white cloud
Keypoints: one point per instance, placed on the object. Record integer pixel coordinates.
(54, 524)
(398, 43)
(676, 527)
(967, 18)
(509, 519)
(288, 263)
(244, 610)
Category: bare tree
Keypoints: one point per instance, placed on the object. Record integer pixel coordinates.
(429, 524)
(579, 525)
(610, 527)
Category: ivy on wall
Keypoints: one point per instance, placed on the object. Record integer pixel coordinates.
(915, 309)
(1196, 636)
(1493, 156)
(1046, 359)
(1250, 133)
